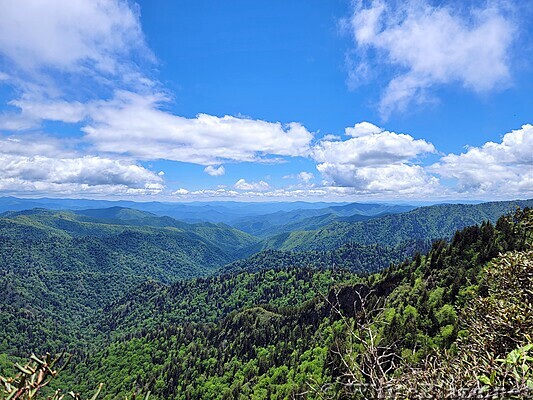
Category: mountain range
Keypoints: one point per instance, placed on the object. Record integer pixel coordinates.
(118, 285)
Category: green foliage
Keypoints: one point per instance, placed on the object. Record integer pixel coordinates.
(494, 355)
(282, 324)
(361, 259)
(433, 222)
(32, 379)
(206, 300)
(59, 268)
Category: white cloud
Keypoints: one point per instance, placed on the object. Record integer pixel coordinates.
(331, 137)
(51, 110)
(59, 55)
(181, 192)
(10, 121)
(373, 149)
(276, 194)
(302, 176)
(290, 194)
(89, 174)
(63, 56)
(363, 129)
(213, 171)
(69, 35)
(260, 186)
(431, 45)
(493, 168)
(395, 178)
(374, 160)
(46, 166)
(32, 145)
(305, 176)
(134, 124)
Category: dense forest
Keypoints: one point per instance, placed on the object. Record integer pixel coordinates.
(432, 222)
(412, 315)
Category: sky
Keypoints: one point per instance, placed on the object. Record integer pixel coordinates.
(274, 100)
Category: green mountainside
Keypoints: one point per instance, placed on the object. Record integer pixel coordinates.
(426, 223)
(308, 219)
(153, 304)
(357, 258)
(104, 222)
(60, 267)
(202, 339)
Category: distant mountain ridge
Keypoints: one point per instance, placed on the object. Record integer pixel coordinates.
(40, 222)
(60, 266)
(308, 219)
(431, 222)
(215, 211)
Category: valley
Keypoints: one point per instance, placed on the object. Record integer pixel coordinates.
(206, 310)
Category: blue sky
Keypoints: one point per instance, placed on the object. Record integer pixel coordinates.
(267, 100)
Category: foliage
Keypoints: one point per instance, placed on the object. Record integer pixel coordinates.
(38, 373)
(361, 259)
(494, 355)
(282, 324)
(59, 268)
(432, 222)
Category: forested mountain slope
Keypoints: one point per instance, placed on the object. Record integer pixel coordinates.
(59, 267)
(104, 222)
(284, 332)
(207, 300)
(307, 219)
(426, 223)
(357, 258)
(201, 348)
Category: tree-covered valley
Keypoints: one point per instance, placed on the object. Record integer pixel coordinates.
(266, 200)
(334, 302)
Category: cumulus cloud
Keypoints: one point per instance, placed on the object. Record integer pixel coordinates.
(43, 166)
(397, 178)
(305, 176)
(260, 186)
(430, 45)
(374, 147)
(494, 168)
(270, 194)
(289, 194)
(76, 62)
(362, 129)
(89, 174)
(80, 62)
(181, 192)
(331, 137)
(374, 160)
(69, 35)
(134, 124)
(213, 171)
